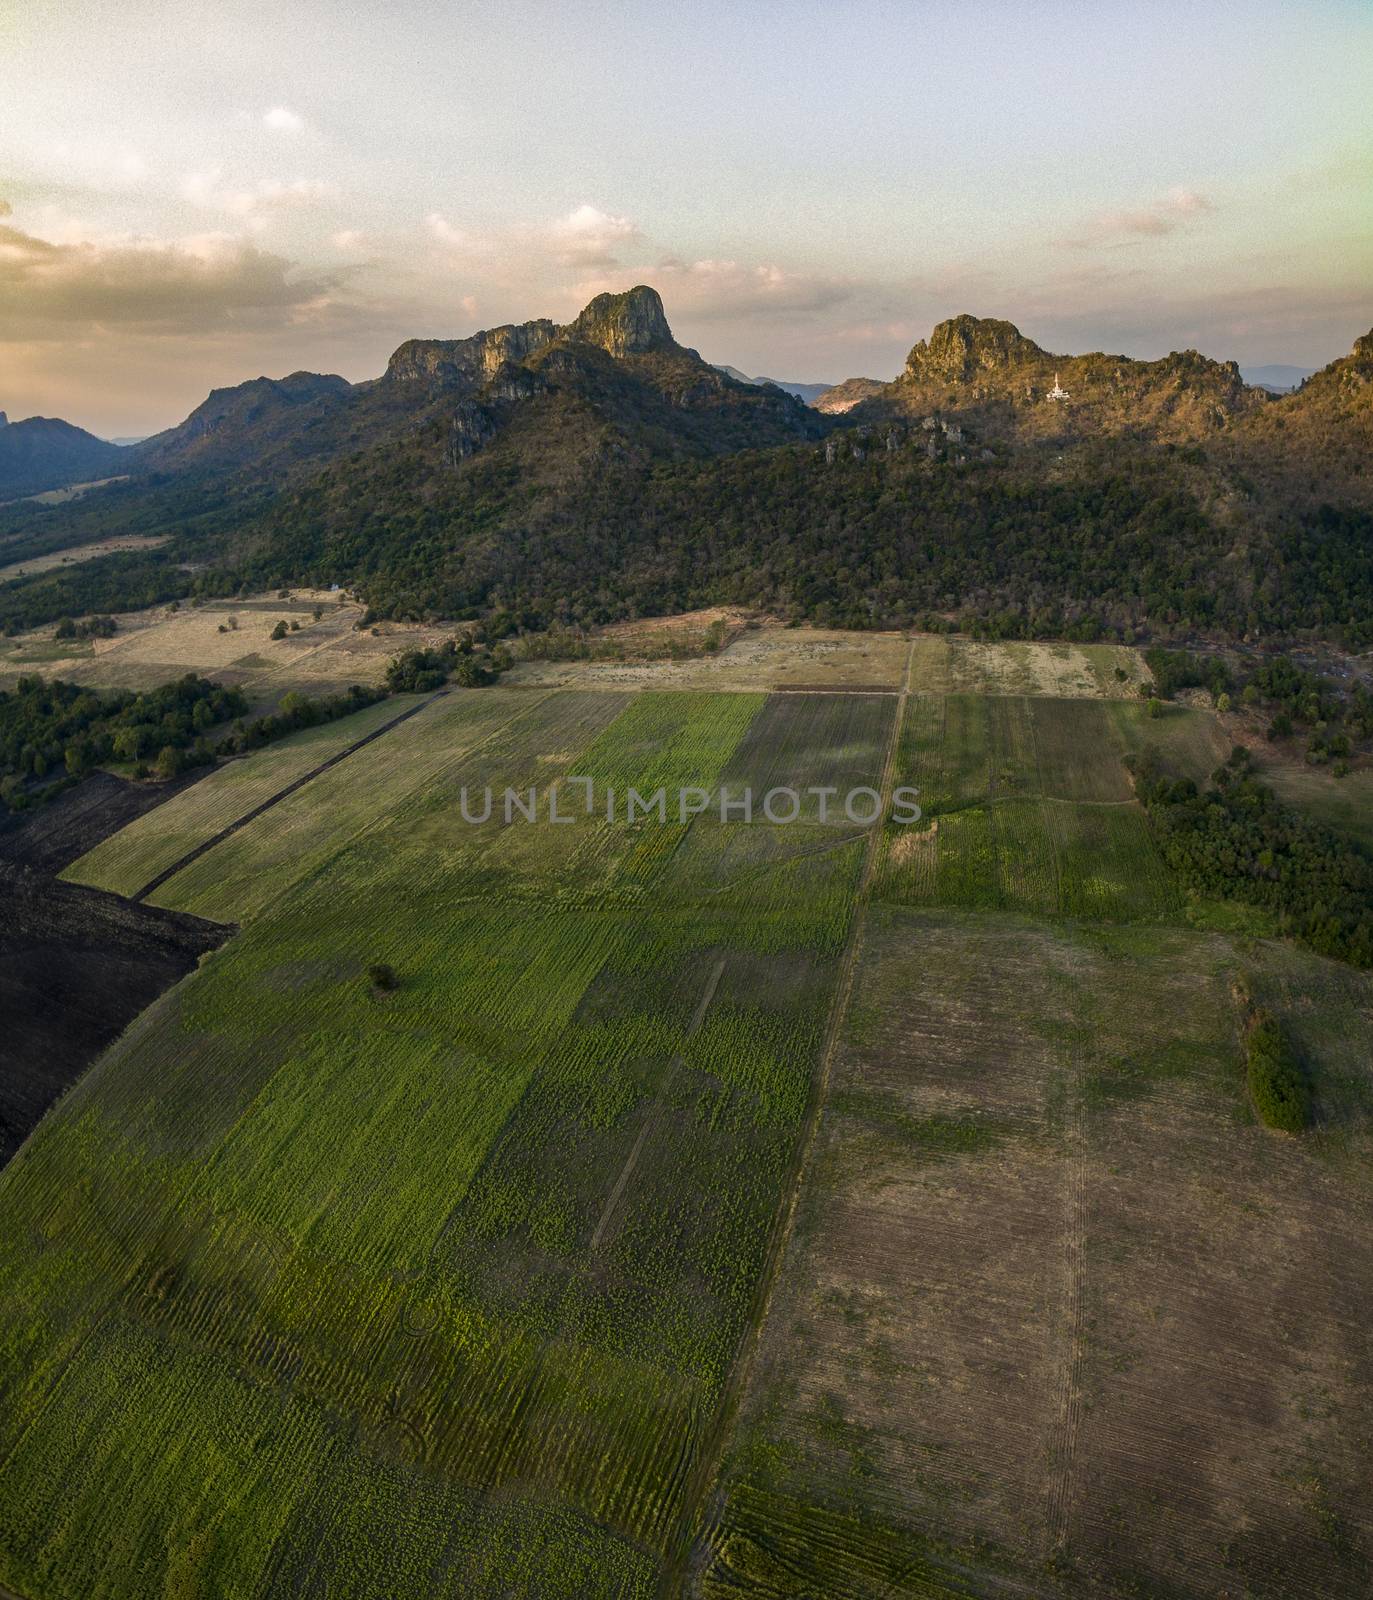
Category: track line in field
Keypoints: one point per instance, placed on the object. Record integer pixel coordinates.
(703, 1478)
(652, 1119)
(206, 845)
(1070, 1383)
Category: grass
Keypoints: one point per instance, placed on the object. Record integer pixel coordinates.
(126, 861)
(440, 1289)
(467, 1259)
(1028, 808)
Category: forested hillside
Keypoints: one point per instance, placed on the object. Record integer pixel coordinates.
(596, 471)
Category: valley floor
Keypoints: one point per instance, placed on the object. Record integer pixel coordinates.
(711, 1208)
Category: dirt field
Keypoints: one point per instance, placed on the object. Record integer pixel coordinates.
(1054, 1298)
(84, 552)
(161, 643)
(767, 657)
(1073, 671)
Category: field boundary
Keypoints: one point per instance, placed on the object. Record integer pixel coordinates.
(680, 1554)
(206, 845)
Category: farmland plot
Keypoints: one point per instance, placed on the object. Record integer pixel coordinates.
(127, 860)
(1027, 807)
(429, 1291)
(1058, 1315)
(243, 873)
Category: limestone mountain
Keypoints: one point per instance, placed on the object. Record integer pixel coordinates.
(46, 453)
(595, 469)
(617, 360)
(1009, 388)
(1316, 444)
(842, 397)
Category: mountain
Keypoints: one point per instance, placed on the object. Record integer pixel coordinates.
(45, 453)
(1009, 388)
(544, 473)
(251, 422)
(1315, 445)
(1276, 378)
(842, 397)
(809, 392)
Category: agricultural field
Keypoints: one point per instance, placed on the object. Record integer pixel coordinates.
(1344, 803)
(768, 656)
(73, 555)
(954, 665)
(229, 641)
(128, 860)
(1058, 1316)
(444, 1280)
(1027, 807)
(538, 1204)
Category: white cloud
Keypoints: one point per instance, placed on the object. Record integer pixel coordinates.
(444, 231)
(588, 237)
(1175, 210)
(711, 288)
(254, 203)
(280, 120)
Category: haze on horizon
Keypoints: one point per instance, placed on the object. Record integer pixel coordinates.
(191, 198)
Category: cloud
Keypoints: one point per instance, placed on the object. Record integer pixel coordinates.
(1113, 228)
(256, 202)
(280, 120)
(588, 238)
(191, 285)
(712, 288)
(444, 231)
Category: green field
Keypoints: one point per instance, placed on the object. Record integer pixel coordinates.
(1027, 807)
(134, 856)
(715, 1207)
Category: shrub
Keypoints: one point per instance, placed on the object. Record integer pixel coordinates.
(280, 631)
(382, 975)
(1277, 1083)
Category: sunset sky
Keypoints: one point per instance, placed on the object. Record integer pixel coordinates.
(192, 195)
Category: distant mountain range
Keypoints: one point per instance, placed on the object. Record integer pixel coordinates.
(45, 453)
(598, 469)
(1278, 378)
(809, 392)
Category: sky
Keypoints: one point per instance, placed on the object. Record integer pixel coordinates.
(193, 195)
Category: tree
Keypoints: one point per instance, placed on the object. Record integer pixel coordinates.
(382, 975)
(280, 631)
(168, 762)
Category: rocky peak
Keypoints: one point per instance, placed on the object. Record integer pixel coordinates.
(4, 420)
(471, 360)
(631, 323)
(963, 346)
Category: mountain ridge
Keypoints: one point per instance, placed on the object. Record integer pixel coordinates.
(598, 468)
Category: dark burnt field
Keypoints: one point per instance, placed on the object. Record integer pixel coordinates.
(76, 964)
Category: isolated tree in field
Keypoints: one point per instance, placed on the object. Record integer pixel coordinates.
(1277, 1083)
(382, 975)
(280, 631)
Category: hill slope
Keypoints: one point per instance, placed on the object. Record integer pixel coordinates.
(598, 469)
(46, 453)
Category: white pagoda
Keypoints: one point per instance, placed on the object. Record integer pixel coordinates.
(1058, 392)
